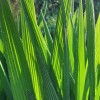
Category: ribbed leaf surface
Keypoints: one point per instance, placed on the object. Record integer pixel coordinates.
(19, 74)
(31, 59)
(41, 51)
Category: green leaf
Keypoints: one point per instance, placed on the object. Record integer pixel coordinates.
(91, 45)
(1, 45)
(97, 58)
(41, 51)
(47, 35)
(5, 82)
(60, 56)
(31, 59)
(43, 11)
(81, 54)
(20, 79)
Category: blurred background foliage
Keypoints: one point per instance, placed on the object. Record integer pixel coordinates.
(52, 10)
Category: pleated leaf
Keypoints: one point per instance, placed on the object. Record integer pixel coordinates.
(60, 52)
(41, 51)
(20, 79)
(31, 59)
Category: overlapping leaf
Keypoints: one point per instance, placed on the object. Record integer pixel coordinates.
(20, 79)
